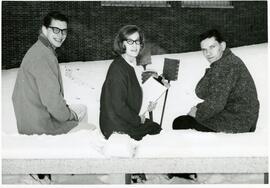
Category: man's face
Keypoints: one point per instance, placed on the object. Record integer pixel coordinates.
(56, 32)
(212, 49)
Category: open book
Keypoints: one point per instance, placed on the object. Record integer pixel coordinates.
(152, 91)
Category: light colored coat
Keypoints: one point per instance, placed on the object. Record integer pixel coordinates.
(38, 96)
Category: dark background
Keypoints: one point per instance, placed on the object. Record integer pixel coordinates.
(92, 27)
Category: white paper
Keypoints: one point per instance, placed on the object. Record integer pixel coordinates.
(152, 92)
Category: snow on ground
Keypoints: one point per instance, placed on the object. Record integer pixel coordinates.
(82, 84)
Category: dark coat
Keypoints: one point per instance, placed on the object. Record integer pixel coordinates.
(120, 103)
(38, 96)
(230, 97)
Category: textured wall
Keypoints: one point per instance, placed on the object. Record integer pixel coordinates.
(92, 27)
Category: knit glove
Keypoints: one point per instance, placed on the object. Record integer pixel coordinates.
(79, 109)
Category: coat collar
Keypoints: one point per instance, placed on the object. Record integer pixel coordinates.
(43, 39)
(226, 53)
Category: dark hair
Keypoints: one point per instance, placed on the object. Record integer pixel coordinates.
(122, 35)
(54, 15)
(211, 33)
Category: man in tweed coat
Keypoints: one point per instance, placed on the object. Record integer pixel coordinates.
(38, 96)
(230, 102)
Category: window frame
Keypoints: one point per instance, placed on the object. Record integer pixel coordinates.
(207, 4)
(136, 3)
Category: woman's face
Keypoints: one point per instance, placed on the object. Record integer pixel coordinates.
(133, 45)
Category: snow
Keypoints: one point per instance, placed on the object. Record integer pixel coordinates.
(84, 143)
(82, 84)
(191, 143)
(120, 145)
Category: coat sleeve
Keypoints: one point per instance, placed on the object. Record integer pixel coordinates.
(220, 83)
(47, 80)
(119, 94)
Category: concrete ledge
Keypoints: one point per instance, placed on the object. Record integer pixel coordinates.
(136, 165)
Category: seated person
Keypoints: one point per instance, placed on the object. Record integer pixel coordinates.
(230, 102)
(121, 96)
(38, 97)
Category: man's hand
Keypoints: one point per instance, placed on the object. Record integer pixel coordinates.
(193, 111)
(79, 109)
(83, 126)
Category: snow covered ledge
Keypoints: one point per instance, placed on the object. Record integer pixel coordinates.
(186, 151)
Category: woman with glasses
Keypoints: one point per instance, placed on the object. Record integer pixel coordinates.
(121, 96)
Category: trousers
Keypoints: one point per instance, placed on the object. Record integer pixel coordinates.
(189, 122)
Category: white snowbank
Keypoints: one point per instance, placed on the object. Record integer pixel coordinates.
(120, 145)
(82, 144)
(82, 84)
(191, 143)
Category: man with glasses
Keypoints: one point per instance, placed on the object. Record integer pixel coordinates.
(38, 96)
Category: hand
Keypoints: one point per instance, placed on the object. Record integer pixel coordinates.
(79, 109)
(166, 83)
(192, 111)
(151, 106)
(142, 119)
(83, 126)
(155, 75)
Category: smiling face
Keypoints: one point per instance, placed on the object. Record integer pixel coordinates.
(132, 50)
(56, 39)
(212, 49)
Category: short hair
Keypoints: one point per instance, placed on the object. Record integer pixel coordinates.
(123, 34)
(54, 15)
(211, 33)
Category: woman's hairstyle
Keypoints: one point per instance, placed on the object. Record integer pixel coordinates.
(211, 33)
(54, 15)
(122, 35)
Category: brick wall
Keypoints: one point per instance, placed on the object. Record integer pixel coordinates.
(92, 27)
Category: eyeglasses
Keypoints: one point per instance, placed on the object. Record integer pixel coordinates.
(130, 41)
(56, 30)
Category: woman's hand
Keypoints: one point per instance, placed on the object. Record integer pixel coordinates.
(166, 83)
(151, 106)
(142, 119)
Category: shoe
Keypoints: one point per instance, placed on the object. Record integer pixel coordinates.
(158, 179)
(188, 176)
(138, 178)
(42, 176)
(34, 179)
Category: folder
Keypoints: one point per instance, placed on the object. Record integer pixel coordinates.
(152, 92)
